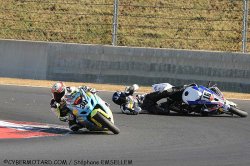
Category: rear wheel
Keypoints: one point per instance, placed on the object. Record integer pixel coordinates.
(238, 112)
(106, 123)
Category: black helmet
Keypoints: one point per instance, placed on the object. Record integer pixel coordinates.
(119, 98)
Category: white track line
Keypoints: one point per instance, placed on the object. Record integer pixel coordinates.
(37, 86)
(33, 86)
(23, 126)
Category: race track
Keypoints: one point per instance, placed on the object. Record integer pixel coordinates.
(146, 140)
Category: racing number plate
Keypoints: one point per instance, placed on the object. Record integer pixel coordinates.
(206, 95)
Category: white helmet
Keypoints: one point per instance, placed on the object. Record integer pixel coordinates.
(58, 91)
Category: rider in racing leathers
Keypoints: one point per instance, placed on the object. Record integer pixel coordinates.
(128, 103)
(58, 103)
(147, 102)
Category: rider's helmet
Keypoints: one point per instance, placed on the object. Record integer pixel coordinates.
(58, 91)
(119, 98)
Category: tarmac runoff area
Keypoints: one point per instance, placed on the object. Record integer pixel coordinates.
(144, 140)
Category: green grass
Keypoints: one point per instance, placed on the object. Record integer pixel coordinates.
(182, 24)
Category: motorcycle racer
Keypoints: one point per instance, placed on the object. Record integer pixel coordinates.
(128, 103)
(58, 103)
(133, 105)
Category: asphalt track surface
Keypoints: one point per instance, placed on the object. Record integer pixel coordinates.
(144, 139)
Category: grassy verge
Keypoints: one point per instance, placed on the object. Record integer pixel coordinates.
(183, 24)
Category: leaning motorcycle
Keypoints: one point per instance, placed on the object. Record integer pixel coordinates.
(200, 99)
(91, 111)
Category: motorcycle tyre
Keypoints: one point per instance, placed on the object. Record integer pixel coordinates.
(106, 123)
(238, 112)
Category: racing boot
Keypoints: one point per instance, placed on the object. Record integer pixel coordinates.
(73, 125)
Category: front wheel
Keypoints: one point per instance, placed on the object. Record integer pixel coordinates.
(106, 123)
(238, 112)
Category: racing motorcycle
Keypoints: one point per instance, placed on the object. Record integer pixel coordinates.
(91, 111)
(200, 99)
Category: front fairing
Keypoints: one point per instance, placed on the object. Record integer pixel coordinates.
(89, 102)
(83, 109)
(211, 96)
(207, 98)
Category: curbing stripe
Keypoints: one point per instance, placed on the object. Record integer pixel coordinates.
(20, 129)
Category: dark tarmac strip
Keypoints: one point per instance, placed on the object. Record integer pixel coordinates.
(146, 140)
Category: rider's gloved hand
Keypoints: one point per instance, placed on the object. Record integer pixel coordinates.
(86, 88)
(53, 103)
(92, 90)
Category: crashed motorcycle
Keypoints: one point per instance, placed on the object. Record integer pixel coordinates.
(200, 99)
(91, 111)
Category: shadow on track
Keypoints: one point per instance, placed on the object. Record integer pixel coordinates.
(194, 115)
(87, 132)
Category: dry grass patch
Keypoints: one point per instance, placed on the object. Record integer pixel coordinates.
(107, 87)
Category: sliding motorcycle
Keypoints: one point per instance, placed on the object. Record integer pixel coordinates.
(202, 100)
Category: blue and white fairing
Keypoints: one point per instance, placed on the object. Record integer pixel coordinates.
(200, 95)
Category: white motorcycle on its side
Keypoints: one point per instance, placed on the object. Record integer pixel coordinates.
(200, 99)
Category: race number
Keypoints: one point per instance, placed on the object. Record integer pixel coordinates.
(206, 95)
(83, 104)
